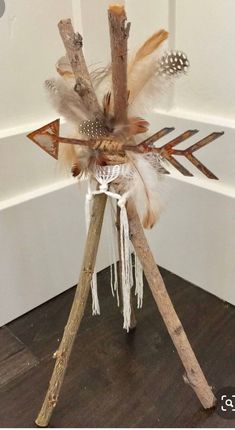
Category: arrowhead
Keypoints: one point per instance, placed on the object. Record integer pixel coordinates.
(47, 138)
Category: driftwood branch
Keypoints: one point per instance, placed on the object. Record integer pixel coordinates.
(76, 313)
(119, 32)
(194, 374)
(73, 45)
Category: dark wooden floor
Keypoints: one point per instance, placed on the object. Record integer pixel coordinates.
(115, 379)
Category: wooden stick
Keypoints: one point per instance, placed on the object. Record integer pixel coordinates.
(194, 375)
(76, 313)
(84, 88)
(73, 45)
(119, 32)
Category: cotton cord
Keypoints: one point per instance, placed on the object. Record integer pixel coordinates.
(139, 284)
(113, 244)
(94, 290)
(104, 176)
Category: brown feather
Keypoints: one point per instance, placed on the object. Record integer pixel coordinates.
(142, 69)
(106, 103)
(149, 46)
(137, 125)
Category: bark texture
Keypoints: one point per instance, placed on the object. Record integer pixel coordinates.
(194, 374)
(73, 45)
(76, 313)
(119, 32)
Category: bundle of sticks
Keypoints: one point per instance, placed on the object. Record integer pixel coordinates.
(106, 136)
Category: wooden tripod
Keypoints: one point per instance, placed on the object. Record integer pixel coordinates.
(194, 375)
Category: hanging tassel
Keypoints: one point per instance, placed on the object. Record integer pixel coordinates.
(113, 251)
(105, 175)
(94, 289)
(138, 282)
(131, 268)
(95, 298)
(126, 268)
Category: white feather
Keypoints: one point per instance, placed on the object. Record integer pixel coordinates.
(149, 90)
(150, 78)
(145, 190)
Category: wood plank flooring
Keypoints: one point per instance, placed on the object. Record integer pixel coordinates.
(117, 379)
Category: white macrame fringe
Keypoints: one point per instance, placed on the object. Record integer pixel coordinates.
(94, 291)
(95, 299)
(139, 283)
(105, 175)
(114, 253)
(125, 259)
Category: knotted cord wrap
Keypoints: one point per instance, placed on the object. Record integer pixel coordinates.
(105, 175)
(109, 145)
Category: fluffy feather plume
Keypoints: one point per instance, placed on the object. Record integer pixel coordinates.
(142, 68)
(66, 101)
(138, 68)
(101, 75)
(144, 190)
(147, 73)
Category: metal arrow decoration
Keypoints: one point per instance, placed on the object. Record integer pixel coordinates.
(48, 138)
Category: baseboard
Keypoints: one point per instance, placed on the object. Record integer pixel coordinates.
(42, 242)
(195, 237)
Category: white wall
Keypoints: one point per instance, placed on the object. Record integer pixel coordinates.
(195, 236)
(41, 241)
(205, 29)
(35, 195)
(30, 49)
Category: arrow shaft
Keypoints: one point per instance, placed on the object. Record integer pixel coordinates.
(72, 141)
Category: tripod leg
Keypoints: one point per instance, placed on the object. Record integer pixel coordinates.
(194, 375)
(76, 313)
